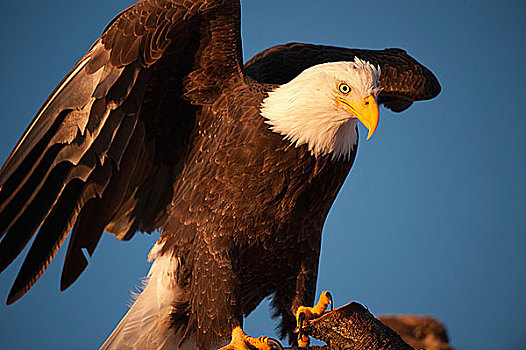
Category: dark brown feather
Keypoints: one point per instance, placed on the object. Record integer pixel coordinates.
(22, 228)
(15, 177)
(51, 235)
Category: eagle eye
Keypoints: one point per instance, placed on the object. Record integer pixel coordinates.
(344, 88)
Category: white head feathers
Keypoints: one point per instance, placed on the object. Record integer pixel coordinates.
(305, 110)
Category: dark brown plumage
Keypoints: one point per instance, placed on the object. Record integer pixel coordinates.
(159, 127)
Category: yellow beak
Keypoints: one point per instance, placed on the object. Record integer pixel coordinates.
(367, 112)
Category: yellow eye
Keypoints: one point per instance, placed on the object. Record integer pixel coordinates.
(344, 88)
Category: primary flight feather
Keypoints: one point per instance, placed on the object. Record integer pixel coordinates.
(160, 126)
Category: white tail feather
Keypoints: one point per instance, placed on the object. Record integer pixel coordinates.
(147, 324)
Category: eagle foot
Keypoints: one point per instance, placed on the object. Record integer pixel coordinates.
(242, 341)
(305, 313)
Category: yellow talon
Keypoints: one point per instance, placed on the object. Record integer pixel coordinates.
(305, 313)
(242, 341)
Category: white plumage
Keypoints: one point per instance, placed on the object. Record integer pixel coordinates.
(305, 110)
(147, 324)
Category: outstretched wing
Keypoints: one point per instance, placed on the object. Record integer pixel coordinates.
(403, 79)
(104, 151)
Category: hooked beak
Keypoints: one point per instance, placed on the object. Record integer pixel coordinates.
(367, 112)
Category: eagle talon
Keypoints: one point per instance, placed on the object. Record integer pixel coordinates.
(242, 341)
(303, 340)
(329, 298)
(308, 313)
(299, 327)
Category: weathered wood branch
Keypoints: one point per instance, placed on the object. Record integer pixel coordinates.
(353, 327)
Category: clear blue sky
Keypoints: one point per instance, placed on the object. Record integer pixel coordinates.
(431, 219)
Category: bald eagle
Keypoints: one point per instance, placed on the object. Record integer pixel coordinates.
(160, 126)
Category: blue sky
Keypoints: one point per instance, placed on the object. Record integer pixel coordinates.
(431, 219)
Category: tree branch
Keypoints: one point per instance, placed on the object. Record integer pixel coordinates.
(353, 327)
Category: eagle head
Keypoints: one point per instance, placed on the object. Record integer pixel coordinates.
(321, 106)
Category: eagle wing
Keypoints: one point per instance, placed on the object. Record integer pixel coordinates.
(403, 79)
(105, 149)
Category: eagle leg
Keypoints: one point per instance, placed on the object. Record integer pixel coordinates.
(305, 313)
(242, 341)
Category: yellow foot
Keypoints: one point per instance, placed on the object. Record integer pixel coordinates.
(305, 313)
(241, 341)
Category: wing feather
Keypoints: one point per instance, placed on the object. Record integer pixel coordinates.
(99, 211)
(404, 80)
